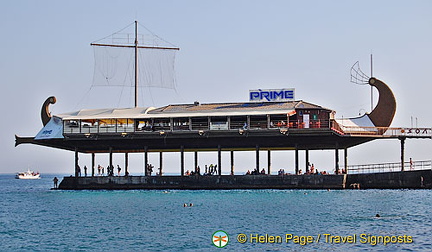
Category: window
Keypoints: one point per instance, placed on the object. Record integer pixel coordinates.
(238, 122)
(258, 122)
(219, 123)
(161, 124)
(200, 123)
(181, 124)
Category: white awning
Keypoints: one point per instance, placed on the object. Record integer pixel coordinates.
(142, 113)
(93, 114)
(358, 124)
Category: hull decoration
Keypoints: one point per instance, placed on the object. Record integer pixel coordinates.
(384, 111)
(45, 114)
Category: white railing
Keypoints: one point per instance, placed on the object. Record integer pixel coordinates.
(389, 167)
(386, 131)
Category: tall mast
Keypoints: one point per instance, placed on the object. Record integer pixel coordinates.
(135, 46)
(136, 63)
(371, 64)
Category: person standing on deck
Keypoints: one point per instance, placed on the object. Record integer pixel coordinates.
(55, 182)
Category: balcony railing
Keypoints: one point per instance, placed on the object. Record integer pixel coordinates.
(389, 167)
(141, 126)
(382, 131)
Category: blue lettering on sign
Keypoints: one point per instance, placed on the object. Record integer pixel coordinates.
(253, 96)
(271, 95)
(278, 94)
(46, 132)
(289, 94)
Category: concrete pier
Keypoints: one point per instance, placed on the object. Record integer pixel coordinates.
(197, 182)
(421, 179)
(391, 180)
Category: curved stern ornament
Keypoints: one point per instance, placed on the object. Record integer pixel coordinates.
(383, 113)
(45, 114)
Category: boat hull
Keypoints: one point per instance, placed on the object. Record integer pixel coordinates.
(27, 175)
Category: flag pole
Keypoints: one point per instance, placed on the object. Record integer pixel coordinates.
(136, 63)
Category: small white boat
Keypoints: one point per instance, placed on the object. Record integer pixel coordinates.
(27, 175)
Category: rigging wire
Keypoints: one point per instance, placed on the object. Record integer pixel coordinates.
(114, 33)
(148, 78)
(358, 76)
(120, 96)
(82, 98)
(182, 100)
(151, 96)
(155, 35)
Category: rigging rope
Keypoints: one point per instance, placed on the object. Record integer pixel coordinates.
(114, 66)
(357, 75)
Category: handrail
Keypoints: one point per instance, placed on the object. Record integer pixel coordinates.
(390, 167)
(383, 131)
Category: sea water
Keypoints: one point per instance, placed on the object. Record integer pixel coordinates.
(35, 218)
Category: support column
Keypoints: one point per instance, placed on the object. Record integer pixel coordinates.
(145, 161)
(257, 158)
(268, 162)
(160, 163)
(182, 160)
(110, 159)
(337, 158)
(402, 139)
(219, 160)
(232, 162)
(296, 160)
(346, 160)
(196, 161)
(126, 164)
(307, 160)
(93, 164)
(76, 162)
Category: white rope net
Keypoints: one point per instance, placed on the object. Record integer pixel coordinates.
(115, 60)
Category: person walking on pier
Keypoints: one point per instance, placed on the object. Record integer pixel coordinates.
(110, 170)
(118, 169)
(85, 170)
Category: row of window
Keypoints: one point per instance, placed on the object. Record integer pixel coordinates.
(191, 123)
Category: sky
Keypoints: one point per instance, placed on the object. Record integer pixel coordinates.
(226, 49)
